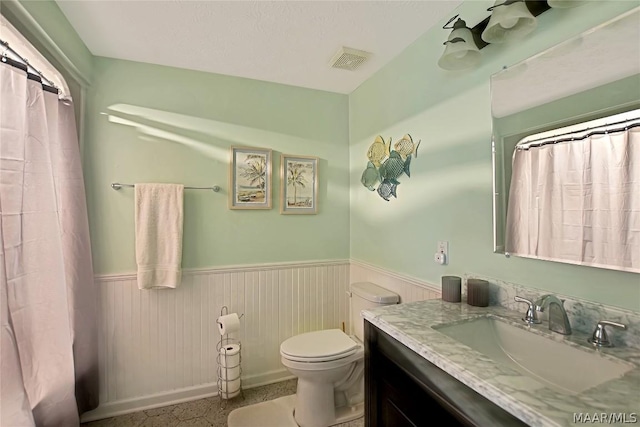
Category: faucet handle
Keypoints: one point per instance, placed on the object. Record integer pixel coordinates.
(599, 337)
(531, 316)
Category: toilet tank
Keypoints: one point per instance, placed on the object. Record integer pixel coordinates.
(364, 296)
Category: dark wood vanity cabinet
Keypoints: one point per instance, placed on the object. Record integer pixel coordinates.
(404, 389)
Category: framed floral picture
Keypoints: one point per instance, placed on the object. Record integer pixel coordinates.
(298, 184)
(250, 178)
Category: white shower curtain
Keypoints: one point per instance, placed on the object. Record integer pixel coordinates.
(578, 202)
(48, 302)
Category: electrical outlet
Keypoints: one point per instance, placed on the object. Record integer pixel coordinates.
(440, 258)
(443, 247)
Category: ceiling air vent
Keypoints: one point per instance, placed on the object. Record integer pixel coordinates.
(348, 59)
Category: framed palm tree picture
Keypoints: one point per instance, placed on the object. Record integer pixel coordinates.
(250, 178)
(298, 184)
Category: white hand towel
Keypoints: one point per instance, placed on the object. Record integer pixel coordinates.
(159, 217)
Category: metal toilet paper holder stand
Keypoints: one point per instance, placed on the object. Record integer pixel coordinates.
(223, 381)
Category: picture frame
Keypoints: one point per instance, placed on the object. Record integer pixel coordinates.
(298, 184)
(250, 178)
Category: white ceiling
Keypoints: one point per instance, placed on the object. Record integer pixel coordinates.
(288, 42)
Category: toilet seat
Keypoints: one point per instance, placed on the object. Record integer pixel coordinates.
(319, 346)
(324, 365)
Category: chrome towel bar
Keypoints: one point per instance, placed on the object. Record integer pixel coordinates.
(118, 186)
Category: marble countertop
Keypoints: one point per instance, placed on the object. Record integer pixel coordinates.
(411, 324)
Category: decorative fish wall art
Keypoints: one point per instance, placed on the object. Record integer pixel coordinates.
(385, 165)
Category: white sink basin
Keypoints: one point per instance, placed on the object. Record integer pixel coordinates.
(552, 364)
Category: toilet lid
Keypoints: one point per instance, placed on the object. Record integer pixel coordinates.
(324, 345)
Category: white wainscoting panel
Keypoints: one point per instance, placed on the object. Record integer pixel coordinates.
(409, 288)
(158, 347)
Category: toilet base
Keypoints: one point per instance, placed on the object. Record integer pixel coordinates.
(349, 413)
(279, 413)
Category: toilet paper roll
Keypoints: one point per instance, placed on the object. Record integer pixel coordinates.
(229, 395)
(229, 389)
(230, 356)
(230, 386)
(230, 349)
(229, 374)
(228, 323)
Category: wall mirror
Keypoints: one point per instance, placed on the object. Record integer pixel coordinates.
(595, 75)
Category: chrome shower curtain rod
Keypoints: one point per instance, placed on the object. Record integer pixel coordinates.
(118, 186)
(25, 63)
(554, 139)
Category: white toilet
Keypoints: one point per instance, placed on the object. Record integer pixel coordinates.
(329, 364)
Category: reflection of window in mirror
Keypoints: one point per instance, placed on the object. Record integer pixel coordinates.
(574, 194)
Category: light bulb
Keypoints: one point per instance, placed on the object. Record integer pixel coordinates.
(509, 23)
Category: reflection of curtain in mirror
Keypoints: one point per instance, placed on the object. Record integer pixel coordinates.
(578, 202)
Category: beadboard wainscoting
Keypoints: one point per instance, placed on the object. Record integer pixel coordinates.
(158, 347)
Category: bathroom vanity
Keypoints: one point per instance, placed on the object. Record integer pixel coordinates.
(420, 369)
(404, 388)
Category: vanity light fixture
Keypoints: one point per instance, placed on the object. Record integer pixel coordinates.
(461, 51)
(509, 19)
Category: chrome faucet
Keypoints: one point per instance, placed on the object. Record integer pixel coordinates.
(558, 320)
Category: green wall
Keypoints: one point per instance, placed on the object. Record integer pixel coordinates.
(152, 123)
(148, 123)
(449, 194)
